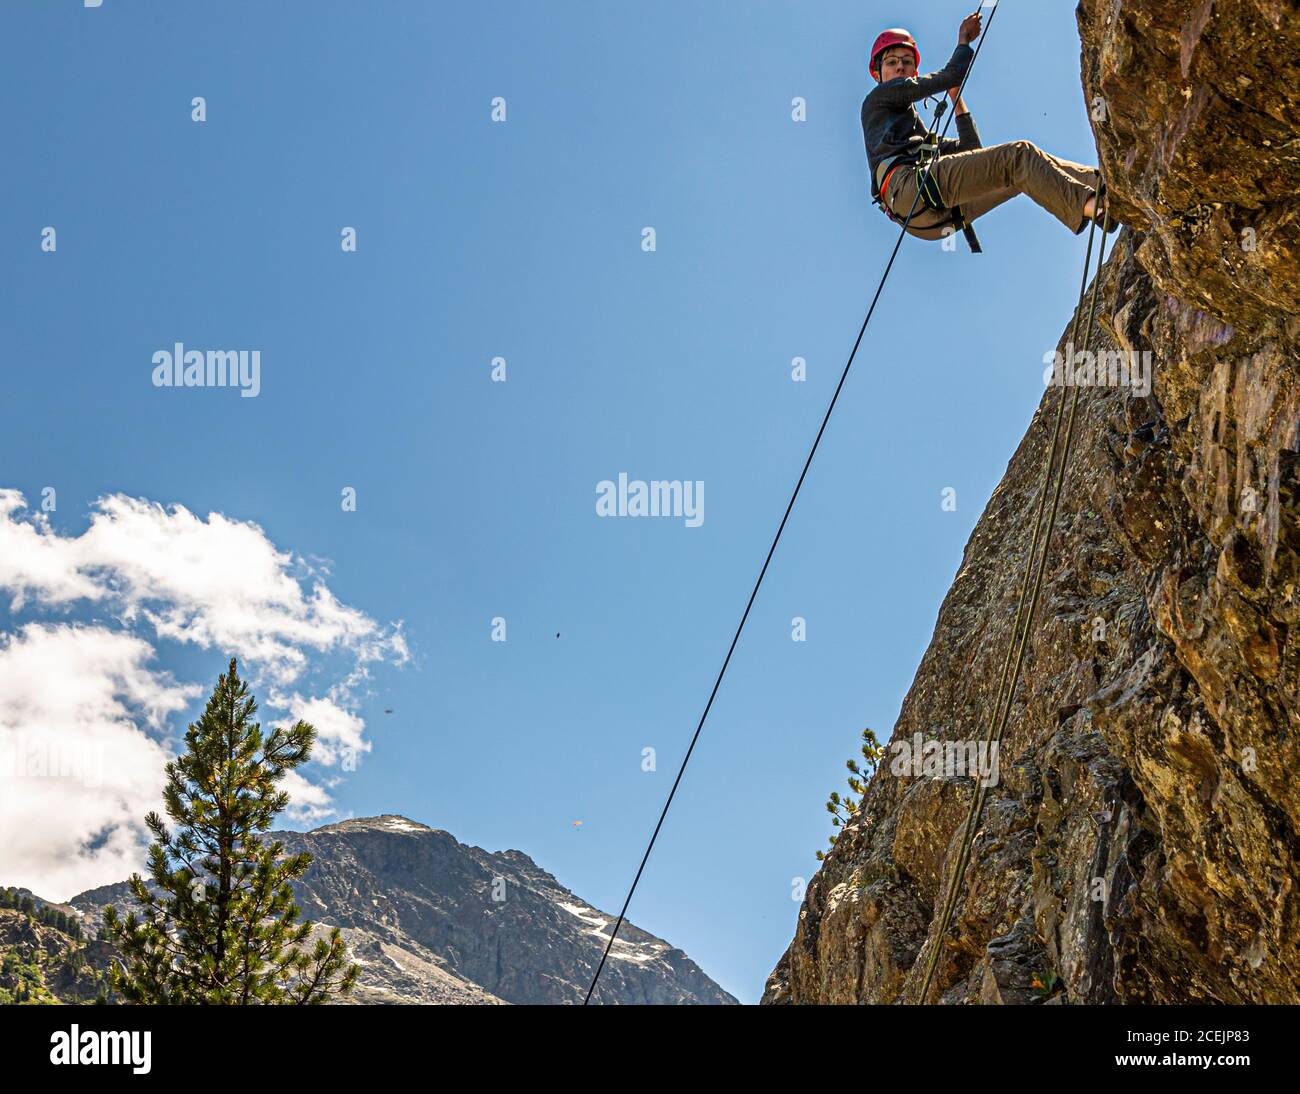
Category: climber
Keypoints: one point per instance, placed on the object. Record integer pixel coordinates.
(967, 179)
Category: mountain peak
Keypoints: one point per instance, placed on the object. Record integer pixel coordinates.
(387, 822)
(429, 919)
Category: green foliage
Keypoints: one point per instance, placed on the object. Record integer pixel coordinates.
(22, 982)
(218, 925)
(51, 976)
(842, 808)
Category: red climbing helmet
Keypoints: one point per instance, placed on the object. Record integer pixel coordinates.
(895, 37)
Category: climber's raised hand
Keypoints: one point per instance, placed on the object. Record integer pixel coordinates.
(970, 29)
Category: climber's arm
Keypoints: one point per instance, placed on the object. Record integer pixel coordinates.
(968, 137)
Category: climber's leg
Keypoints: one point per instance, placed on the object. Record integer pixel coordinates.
(902, 192)
(986, 202)
(902, 189)
(966, 177)
(1089, 176)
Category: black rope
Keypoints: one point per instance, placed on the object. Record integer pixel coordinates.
(622, 915)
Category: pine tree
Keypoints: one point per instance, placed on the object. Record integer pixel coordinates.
(219, 924)
(842, 808)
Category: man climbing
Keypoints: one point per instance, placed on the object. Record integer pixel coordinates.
(967, 180)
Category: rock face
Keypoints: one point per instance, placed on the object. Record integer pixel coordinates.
(431, 920)
(1141, 845)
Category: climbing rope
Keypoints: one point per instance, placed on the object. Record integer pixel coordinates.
(622, 915)
(1020, 629)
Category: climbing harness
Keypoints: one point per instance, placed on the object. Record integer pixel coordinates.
(1020, 629)
(927, 187)
(622, 915)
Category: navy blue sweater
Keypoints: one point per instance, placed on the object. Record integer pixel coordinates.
(891, 125)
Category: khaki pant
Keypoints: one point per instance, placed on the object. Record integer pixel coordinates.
(984, 178)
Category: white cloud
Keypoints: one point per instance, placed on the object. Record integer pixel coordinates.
(81, 760)
(219, 584)
(337, 730)
(308, 803)
(66, 690)
(34, 560)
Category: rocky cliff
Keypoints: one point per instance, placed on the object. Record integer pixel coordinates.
(429, 919)
(1141, 844)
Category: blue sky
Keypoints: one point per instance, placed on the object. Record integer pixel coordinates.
(476, 499)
